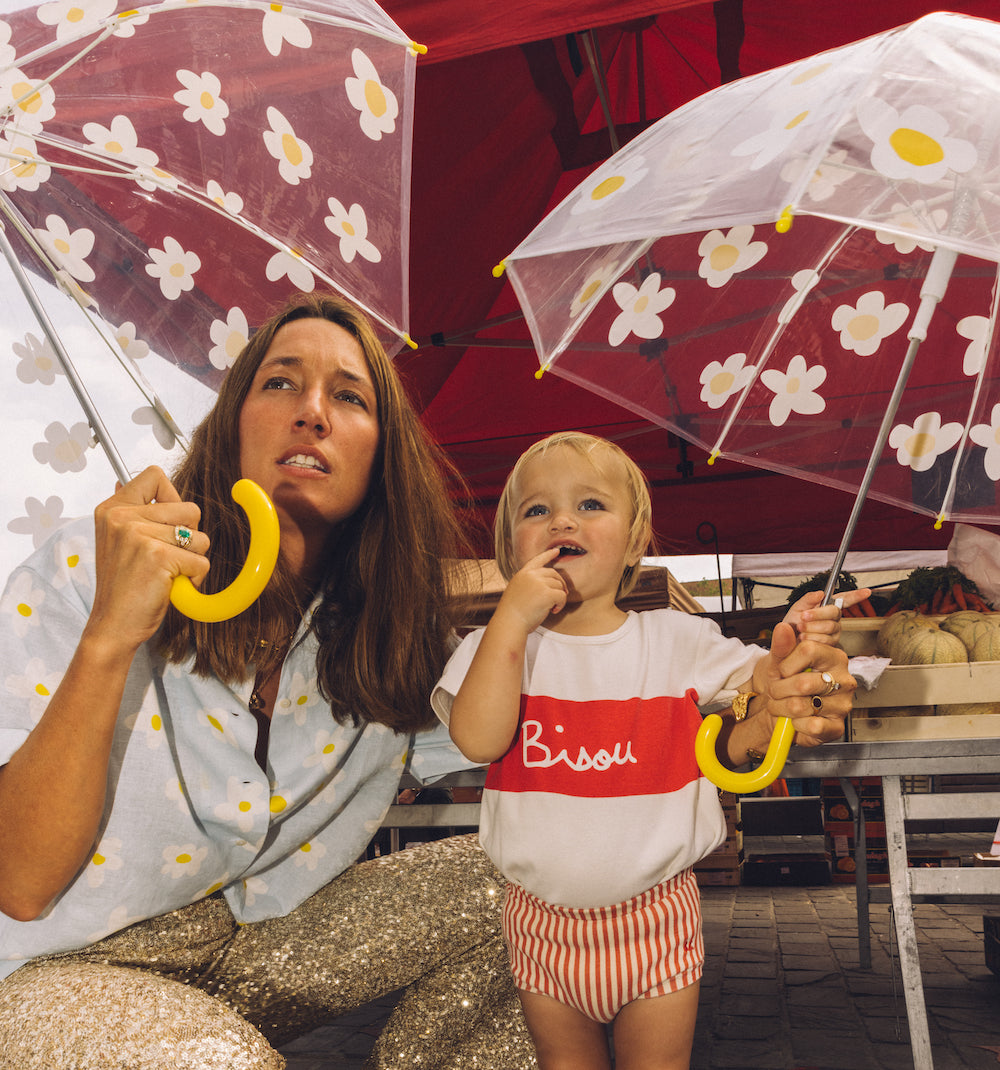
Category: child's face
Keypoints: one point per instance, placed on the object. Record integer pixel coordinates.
(563, 498)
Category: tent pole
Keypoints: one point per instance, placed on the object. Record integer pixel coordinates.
(600, 80)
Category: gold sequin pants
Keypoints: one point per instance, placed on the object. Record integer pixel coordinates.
(193, 990)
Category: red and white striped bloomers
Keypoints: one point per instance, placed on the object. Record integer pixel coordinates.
(599, 959)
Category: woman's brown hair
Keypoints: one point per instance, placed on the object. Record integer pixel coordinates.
(386, 607)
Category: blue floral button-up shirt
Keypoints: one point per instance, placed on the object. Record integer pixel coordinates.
(189, 810)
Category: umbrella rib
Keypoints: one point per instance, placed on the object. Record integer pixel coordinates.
(783, 318)
(83, 397)
(138, 379)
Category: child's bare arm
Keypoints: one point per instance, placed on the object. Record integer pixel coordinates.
(485, 711)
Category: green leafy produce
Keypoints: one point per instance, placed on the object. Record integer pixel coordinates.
(818, 583)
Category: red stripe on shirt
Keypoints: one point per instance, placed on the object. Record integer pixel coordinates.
(600, 749)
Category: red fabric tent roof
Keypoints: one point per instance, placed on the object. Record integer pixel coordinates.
(508, 120)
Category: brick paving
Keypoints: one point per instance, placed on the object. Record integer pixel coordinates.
(783, 989)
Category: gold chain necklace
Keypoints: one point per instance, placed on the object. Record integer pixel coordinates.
(256, 703)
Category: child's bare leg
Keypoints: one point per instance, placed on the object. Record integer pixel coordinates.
(656, 1033)
(565, 1038)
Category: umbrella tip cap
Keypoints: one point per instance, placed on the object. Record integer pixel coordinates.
(712, 456)
(420, 50)
(409, 341)
(500, 269)
(542, 370)
(784, 223)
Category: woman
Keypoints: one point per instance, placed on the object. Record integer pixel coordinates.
(178, 821)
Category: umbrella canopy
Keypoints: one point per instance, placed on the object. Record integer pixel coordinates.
(663, 284)
(169, 174)
(502, 135)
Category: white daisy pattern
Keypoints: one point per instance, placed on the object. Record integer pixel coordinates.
(175, 268)
(21, 167)
(149, 728)
(70, 557)
(721, 381)
(988, 436)
(977, 330)
(280, 26)
(324, 751)
(147, 416)
(375, 102)
(291, 264)
(105, 859)
(22, 603)
(182, 860)
(202, 100)
(294, 156)
(72, 18)
(826, 177)
(30, 104)
(310, 854)
(37, 684)
(219, 724)
(7, 51)
(911, 217)
(120, 141)
(69, 249)
(118, 919)
(65, 448)
(350, 227)
(243, 803)
(864, 326)
(229, 337)
(173, 792)
(228, 202)
(594, 286)
(252, 888)
(802, 282)
(38, 361)
(786, 125)
(601, 188)
(301, 697)
(723, 255)
(133, 347)
(640, 309)
(794, 390)
(40, 519)
(919, 446)
(913, 144)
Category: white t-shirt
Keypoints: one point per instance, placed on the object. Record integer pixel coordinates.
(600, 797)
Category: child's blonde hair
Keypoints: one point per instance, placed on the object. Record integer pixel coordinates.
(589, 446)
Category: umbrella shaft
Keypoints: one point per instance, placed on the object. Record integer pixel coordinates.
(873, 463)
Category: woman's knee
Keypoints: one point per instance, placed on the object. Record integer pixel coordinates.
(96, 1017)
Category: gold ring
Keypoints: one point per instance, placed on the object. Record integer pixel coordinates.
(831, 685)
(182, 536)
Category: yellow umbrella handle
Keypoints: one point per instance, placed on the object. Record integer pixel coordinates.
(766, 773)
(261, 559)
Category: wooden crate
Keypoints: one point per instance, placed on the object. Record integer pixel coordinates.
(910, 702)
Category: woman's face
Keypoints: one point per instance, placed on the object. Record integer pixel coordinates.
(309, 428)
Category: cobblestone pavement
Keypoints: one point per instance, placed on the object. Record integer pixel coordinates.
(783, 991)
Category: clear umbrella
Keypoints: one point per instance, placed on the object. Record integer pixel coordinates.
(766, 271)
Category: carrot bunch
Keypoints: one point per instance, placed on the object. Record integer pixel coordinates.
(936, 591)
(864, 608)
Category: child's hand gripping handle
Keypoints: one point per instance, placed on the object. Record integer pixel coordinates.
(768, 771)
(262, 556)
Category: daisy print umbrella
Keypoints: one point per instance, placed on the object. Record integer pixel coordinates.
(169, 174)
